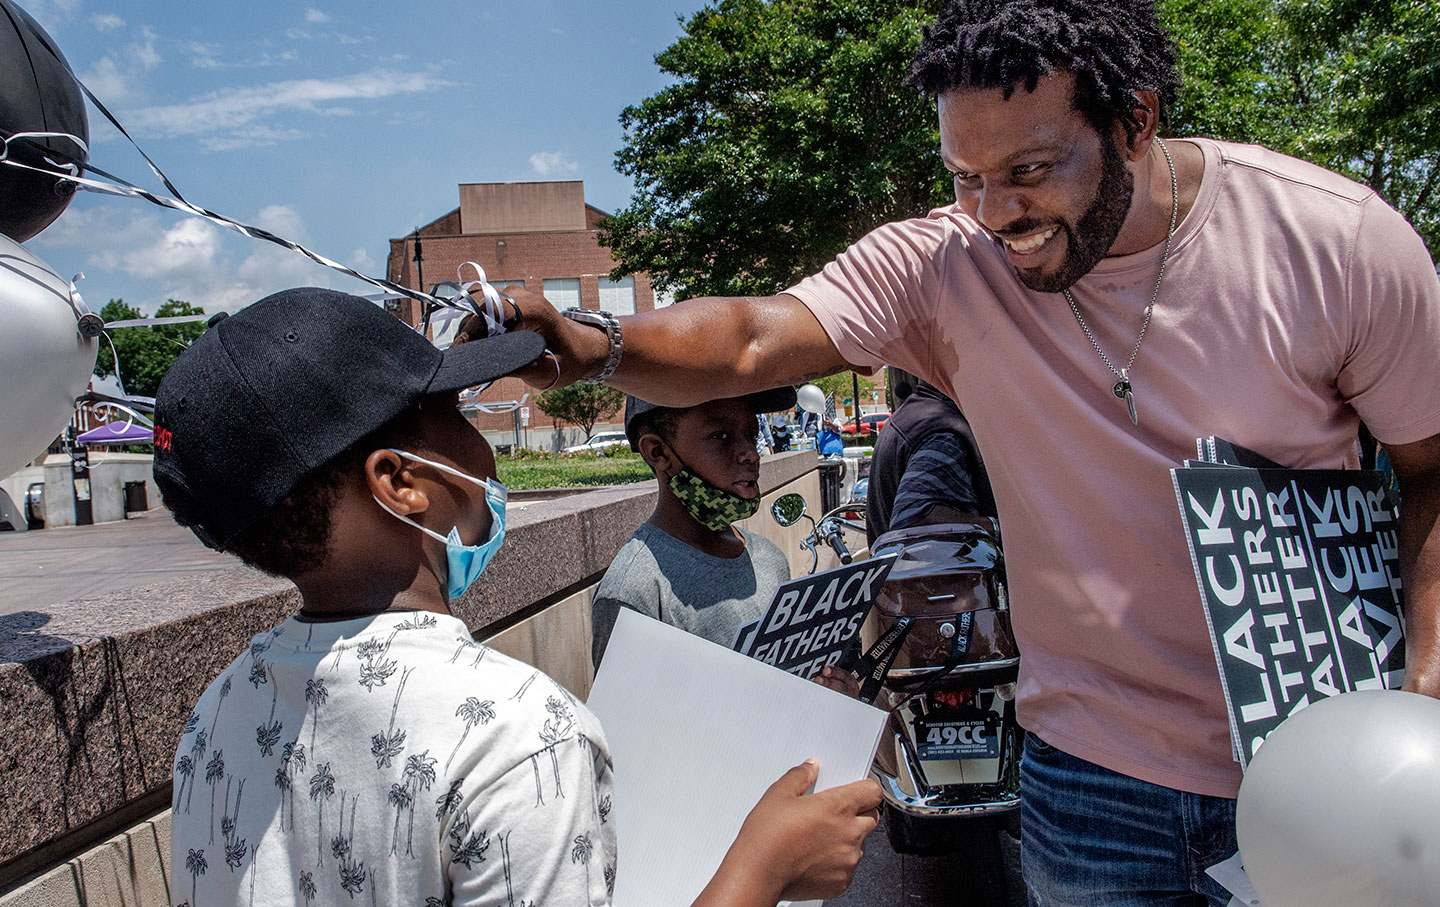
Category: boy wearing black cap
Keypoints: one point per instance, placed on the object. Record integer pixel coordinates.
(368, 746)
(688, 565)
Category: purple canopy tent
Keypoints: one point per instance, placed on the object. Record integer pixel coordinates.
(118, 433)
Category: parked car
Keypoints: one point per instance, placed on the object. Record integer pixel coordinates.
(870, 423)
(601, 441)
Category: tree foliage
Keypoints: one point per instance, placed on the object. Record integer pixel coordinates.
(1351, 85)
(581, 405)
(146, 353)
(786, 136)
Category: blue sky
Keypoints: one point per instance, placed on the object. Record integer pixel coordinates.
(336, 125)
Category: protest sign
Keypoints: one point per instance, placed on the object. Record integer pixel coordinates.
(812, 620)
(1299, 573)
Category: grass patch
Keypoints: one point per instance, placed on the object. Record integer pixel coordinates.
(532, 469)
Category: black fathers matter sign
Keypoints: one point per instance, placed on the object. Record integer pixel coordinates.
(1299, 572)
(812, 620)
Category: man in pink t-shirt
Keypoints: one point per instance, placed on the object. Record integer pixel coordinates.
(1095, 300)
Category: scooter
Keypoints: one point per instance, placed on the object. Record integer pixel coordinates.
(942, 660)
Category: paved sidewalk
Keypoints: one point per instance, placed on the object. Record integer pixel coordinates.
(44, 567)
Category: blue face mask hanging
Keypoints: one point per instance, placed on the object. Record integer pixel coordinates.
(466, 562)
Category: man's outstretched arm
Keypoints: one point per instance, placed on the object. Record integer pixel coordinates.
(1417, 466)
(697, 350)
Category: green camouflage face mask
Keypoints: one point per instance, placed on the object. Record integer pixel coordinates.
(711, 506)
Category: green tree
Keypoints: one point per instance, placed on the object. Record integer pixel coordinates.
(1351, 85)
(146, 353)
(581, 405)
(786, 136)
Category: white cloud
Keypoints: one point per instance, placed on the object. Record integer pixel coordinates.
(361, 261)
(147, 256)
(546, 163)
(234, 117)
(315, 15)
(106, 22)
(107, 81)
(144, 53)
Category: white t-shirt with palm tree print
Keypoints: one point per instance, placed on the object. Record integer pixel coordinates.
(389, 760)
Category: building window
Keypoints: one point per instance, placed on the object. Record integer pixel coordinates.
(617, 296)
(563, 292)
(664, 298)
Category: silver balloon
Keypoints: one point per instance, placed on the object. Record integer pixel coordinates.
(811, 399)
(44, 361)
(1341, 805)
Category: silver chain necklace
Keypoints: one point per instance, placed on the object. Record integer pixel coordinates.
(1123, 389)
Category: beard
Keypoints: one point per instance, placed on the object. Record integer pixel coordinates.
(1089, 239)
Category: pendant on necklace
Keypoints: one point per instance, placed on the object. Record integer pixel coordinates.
(1124, 391)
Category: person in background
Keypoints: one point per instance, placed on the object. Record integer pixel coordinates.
(689, 565)
(926, 467)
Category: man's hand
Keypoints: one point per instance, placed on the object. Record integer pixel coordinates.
(579, 349)
(839, 680)
(795, 845)
(685, 354)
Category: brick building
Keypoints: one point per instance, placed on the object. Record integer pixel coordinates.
(541, 235)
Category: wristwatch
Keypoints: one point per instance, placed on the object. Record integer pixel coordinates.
(607, 323)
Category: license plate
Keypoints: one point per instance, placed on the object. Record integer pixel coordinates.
(965, 739)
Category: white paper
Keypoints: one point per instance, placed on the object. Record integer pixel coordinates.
(697, 733)
(1231, 874)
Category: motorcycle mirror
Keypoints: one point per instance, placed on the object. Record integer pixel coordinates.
(788, 509)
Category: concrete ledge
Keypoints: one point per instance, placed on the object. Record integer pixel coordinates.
(95, 691)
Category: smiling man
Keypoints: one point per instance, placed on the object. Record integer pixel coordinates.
(1095, 300)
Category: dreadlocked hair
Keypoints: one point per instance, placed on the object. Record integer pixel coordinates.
(1112, 47)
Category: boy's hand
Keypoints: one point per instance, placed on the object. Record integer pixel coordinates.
(839, 680)
(579, 349)
(794, 845)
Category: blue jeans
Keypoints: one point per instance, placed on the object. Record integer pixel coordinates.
(1093, 837)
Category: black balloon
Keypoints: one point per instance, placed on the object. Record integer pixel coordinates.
(38, 93)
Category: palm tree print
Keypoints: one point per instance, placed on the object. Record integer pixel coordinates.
(387, 744)
(322, 788)
(234, 844)
(466, 847)
(292, 759)
(524, 687)
(191, 723)
(604, 809)
(315, 695)
(268, 734)
(401, 799)
(472, 711)
(184, 767)
(195, 863)
(352, 872)
(466, 645)
(197, 749)
(257, 673)
(581, 853)
(307, 887)
(375, 668)
(610, 879)
(224, 691)
(214, 773)
(557, 728)
(419, 774)
(449, 801)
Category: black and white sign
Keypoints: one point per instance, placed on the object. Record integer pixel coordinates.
(1299, 573)
(811, 620)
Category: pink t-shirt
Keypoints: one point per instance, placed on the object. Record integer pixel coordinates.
(1294, 303)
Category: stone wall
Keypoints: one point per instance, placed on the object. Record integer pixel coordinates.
(95, 697)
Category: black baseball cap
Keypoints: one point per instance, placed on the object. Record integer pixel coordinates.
(269, 394)
(769, 401)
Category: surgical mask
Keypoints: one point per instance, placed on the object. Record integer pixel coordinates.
(465, 562)
(711, 506)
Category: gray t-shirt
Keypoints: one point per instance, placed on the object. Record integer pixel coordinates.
(664, 578)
